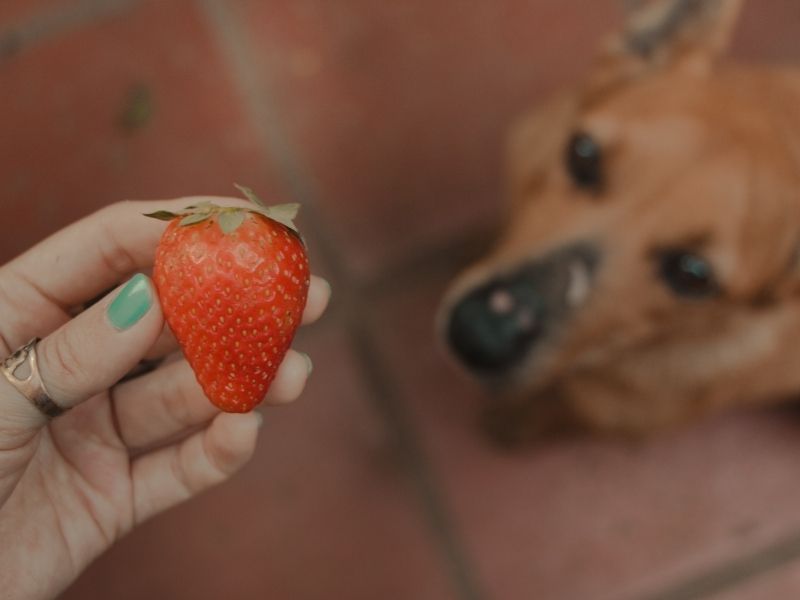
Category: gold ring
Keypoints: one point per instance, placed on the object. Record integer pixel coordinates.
(30, 386)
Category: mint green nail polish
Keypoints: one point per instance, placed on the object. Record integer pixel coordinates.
(131, 304)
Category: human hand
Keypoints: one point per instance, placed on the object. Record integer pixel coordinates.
(71, 486)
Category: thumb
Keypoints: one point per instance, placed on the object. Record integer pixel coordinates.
(85, 356)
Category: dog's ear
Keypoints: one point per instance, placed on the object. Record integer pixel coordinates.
(660, 30)
(661, 34)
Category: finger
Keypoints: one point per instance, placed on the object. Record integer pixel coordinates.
(319, 294)
(171, 475)
(79, 360)
(42, 286)
(100, 250)
(91, 352)
(164, 345)
(160, 405)
(290, 380)
(169, 402)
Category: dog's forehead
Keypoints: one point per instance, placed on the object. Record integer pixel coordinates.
(732, 208)
(725, 153)
(732, 106)
(747, 119)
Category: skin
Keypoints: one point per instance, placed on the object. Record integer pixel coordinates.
(71, 487)
(698, 156)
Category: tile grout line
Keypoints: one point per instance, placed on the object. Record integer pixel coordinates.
(728, 576)
(18, 37)
(451, 255)
(260, 104)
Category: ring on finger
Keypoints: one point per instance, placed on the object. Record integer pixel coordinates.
(31, 386)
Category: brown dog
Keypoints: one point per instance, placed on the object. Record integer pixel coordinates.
(651, 271)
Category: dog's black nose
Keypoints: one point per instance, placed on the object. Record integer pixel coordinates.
(492, 328)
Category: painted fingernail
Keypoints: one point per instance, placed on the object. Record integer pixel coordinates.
(132, 303)
(309, 364)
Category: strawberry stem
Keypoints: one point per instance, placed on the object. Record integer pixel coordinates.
(250, 195)
(231, 217)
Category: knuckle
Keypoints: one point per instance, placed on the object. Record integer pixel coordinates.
(114, 255)
(196, 476)
(18, 423)
(179, 396)
(63, 361)
(219, 465)
(223, 461)
(113, 211)
(181, 476)
(176, 407)
(13, 438)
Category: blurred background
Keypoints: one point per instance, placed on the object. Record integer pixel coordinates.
(386, 120)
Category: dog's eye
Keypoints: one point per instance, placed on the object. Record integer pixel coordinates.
(585, 161)
(687, 274)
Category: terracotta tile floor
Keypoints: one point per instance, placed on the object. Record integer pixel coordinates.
(780, 583)
(17, 12)
(397, 109)
(387, 120)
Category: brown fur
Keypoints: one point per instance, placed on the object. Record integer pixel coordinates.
(700, 153)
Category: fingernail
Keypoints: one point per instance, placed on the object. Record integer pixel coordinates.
(259, 418)
(327, 284)
(309, 364)
(132, 303)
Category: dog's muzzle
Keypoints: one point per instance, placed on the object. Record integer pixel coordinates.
(494, 327)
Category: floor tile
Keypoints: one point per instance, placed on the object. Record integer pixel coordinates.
(779, 584)
(768, 31)
(135, 106)
(399, 109)
(590, 519)
(323, 511)
(16, 12)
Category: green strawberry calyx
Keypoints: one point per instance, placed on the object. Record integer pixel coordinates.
(231, 217)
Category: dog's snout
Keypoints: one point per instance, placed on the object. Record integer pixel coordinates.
(492, 327)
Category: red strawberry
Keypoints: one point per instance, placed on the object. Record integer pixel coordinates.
(233, 284)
